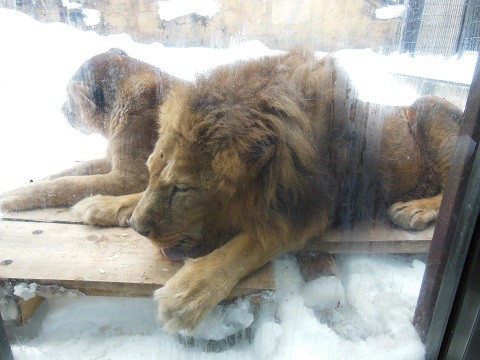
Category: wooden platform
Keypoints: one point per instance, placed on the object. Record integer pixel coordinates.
(52, 247)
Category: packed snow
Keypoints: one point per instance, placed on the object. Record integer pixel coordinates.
(365, 313)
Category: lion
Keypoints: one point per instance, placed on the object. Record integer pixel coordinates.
(256, 158)
(119, 97)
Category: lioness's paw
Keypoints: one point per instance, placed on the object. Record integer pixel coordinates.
(16, 201)
(103, 211)
(189, 296)
(412, 215)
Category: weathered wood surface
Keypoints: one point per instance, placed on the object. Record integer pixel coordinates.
(377, 238)
(96, 261)
(52, 247)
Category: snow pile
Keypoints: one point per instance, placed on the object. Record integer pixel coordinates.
(373, 323)
(390, 12)
(92, 17)
(172, 9)
(324, 293)
(25, 291)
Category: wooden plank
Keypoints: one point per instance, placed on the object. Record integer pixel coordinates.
(316, 264)
(96, 261)
(53, 215)
(380, 237)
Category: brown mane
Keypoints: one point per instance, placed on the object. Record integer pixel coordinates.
(253, 123)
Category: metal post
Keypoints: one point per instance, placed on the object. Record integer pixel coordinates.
(412, 25)
(454, 230)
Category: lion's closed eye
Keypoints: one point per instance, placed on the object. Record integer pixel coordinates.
(183, 189)
(180, 190)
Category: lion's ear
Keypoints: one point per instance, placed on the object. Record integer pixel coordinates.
(230, 169)
(236, 164)
(260, 155)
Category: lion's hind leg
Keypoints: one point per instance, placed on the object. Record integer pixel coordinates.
(435, 125)
(91, 167)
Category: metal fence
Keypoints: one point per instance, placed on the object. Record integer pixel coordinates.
(442, 27)
(470, 37)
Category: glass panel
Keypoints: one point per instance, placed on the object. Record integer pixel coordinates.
(293, 148)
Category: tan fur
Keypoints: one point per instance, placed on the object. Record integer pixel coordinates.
(269, 151)
(118, 97)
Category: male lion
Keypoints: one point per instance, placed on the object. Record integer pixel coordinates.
(119, 97)
(269, 151)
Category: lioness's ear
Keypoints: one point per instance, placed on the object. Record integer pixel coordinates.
(99, 98)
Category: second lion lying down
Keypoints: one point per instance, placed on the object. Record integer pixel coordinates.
(264, 152)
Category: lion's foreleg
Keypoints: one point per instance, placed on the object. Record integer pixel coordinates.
(91, 167)
(69, 190)
(202, 283)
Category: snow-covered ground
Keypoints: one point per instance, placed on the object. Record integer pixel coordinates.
(376, 294)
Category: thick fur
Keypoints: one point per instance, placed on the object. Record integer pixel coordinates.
(119, 97)
(274, 151)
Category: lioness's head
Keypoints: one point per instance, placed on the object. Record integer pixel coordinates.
(92, 89)
(224, 161)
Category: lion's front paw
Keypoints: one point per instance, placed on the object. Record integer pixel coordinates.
(412, 215)
(190, 295)
(104, 211)
(17, 201)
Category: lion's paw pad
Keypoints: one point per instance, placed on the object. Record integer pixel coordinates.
(411, 215)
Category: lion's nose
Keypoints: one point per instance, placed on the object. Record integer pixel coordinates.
(144, 230)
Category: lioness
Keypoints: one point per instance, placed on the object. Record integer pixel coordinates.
(119, 97)
(270, 151)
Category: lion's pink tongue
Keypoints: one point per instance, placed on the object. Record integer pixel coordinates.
(179, 253)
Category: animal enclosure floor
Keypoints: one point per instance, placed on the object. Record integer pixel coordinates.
(51, 247)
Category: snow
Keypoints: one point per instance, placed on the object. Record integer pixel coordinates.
(366, 313)
(390, 12)
(92, 17)
(224, 320)
(172, 9)
(71, 5)
(25, 291)
(374, 323)
(8, 307)
(324, 293)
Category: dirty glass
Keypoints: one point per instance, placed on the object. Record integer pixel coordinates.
(296, 150)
